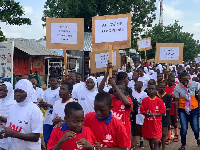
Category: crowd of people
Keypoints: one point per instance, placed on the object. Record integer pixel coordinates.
(102, 112)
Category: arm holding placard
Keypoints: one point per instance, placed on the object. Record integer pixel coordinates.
(102, 84)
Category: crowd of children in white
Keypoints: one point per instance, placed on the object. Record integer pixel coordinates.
(102, 112)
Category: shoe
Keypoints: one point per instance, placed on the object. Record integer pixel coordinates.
(141, 144)
(175, 138)
(198, 142)
(168, 141)
(182, 148)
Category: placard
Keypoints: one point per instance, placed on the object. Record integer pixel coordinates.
(99, 60)
(112, 30)
(197, 59)
(144, 44)
(171, 53)
(6, 61)
(65, 33)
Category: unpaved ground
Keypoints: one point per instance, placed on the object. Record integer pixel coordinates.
(191, 143)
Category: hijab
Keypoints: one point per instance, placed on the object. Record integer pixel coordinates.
(8, 101)
(95, 83)
(26, 86)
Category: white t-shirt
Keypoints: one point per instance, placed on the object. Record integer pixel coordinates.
(86, 100)
(34, 96)
(145, 80)
(130, 75)
(26, 119)
(59, 107)
(39, 93)
(76, 88)
(50, 96)
(131, 84)
(139, 97)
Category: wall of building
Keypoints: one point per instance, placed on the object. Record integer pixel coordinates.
(38, 64)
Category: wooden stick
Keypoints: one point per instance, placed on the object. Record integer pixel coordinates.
(167, 66)
(110, 59)
(145, 58)
(65, 61)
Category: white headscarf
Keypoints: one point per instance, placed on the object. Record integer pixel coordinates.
(26, 86)
(8, 101)
(95, 83)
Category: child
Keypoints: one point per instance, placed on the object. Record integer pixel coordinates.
(172, 119)
(131, 83)
(108, 130)
(159, 78)
(87, 95)
(139, 95)
(143, 78)
(24, 122)
(39, 92)
(122, 105)
(51, 95)
(73, 135)
(153, 108)
(6, 102)
(59, 106)
(165, 119)
(130, 74)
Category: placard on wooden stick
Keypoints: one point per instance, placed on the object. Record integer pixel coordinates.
(170, 53)
(197, 59)
(112, 30)
(65, 32)
(99, 60)
(144, 44)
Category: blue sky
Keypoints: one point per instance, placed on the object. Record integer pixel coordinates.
(187, 12)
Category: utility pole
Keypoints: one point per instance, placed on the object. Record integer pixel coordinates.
(161, 12)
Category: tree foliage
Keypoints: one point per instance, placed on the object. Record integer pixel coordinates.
(11, 12)
(173, 34)
(143, 11)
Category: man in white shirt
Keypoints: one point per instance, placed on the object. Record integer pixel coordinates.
(143, 78)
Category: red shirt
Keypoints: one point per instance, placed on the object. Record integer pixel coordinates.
(170, 91)
(122, 113)
(110, 132)
(57, 133)
(152, 127)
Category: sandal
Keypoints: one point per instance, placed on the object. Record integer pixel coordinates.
(175, 138)
(182, 148)
(168, 141)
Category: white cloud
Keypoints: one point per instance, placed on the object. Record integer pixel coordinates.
(197, 25)
(172, 13)
(28, 10)
(175, 2)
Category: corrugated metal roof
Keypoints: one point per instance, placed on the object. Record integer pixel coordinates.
(32, 47)
(88, 41)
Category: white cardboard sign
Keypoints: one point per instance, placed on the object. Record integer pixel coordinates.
(65, 33)
(111, 30)
(144, 44)
(197, 59)
(169, 53)
(102, 59)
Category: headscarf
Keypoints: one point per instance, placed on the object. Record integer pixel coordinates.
(26, 86)
(187, 98)
(8, 101)
(95, 83)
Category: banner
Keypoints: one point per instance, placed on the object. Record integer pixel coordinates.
(6, 61)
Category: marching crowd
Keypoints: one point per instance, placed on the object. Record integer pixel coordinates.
(102, 112)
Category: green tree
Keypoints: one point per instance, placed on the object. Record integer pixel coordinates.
(143, 11)
(172, 34)
(11, 12)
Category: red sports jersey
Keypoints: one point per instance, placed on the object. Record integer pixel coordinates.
(110, 132)
(170, 91)
(152, 127)
(57, 133)
(122, 113)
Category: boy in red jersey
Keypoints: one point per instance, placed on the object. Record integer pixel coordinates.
(73, 135)
(153, 108)
(172, 119)
(122, 105)
(109, 131)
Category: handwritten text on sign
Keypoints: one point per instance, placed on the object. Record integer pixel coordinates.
(144, 44)
(169, 53)
(111, 30)
(65, 33)
(102, 59)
